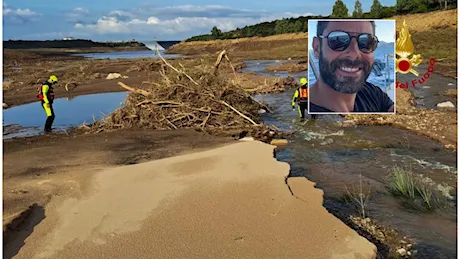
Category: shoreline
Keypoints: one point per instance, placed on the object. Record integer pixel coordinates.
(137, 77)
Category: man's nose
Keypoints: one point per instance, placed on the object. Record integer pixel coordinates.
(353, 50)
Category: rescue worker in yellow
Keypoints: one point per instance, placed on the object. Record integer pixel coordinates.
(301, 98)
(46, 96)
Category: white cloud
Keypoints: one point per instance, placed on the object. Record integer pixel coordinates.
(173, 22)
(121, 13)
(81, 10)
(19, 16)
(77, 15)
(154, 25)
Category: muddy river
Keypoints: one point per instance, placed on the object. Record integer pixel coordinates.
(331, 156)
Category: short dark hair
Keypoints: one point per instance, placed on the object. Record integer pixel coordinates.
(323, 24)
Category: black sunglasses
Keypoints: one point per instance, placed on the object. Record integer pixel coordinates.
(340, 40)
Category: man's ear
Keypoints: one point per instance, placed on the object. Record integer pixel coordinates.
(315, 46)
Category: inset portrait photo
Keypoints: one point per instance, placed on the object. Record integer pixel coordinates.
(351, 66)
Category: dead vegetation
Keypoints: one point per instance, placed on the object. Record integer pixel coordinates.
(201, 98)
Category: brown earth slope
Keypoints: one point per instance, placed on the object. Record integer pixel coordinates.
(434, 34)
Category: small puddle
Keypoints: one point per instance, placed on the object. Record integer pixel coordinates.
(29, 119)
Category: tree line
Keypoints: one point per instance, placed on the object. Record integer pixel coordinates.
(339, 11)
(77, 43)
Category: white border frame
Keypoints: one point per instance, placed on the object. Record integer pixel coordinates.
(1, 116)
(394, 66)
(458, 119)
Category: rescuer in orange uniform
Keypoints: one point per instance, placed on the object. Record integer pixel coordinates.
(301, 98)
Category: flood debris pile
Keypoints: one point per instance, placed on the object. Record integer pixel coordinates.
(202, 99)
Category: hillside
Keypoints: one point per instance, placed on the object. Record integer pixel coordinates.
(287, 25)
(283, 46)
(338, 11)
(426, 29)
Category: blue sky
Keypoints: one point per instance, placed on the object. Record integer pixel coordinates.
(103, 20)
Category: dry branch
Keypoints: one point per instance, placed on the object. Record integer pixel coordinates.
(135, 90)
(239, 113)
(172, 67)
(213, 104)
(70, 83)
(219, 59)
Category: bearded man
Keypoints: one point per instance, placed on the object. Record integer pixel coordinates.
(345, 50)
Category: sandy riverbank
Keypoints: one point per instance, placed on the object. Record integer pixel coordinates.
(235, 208)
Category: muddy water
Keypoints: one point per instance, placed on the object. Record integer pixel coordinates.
(259, 67)
(334, 157)
(429, 93)
(29, 119)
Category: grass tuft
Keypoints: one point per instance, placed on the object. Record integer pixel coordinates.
(416, 192)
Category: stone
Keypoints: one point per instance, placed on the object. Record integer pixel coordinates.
(5, 105)
(450, 84)
(446, 104)
(7, 84)
(289, 59)
(262, 111)
(279, 142)
(247, 139)
(113, 76)
(401, 251)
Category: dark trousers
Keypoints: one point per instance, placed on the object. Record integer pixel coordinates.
(302, 108)
(49, 116)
